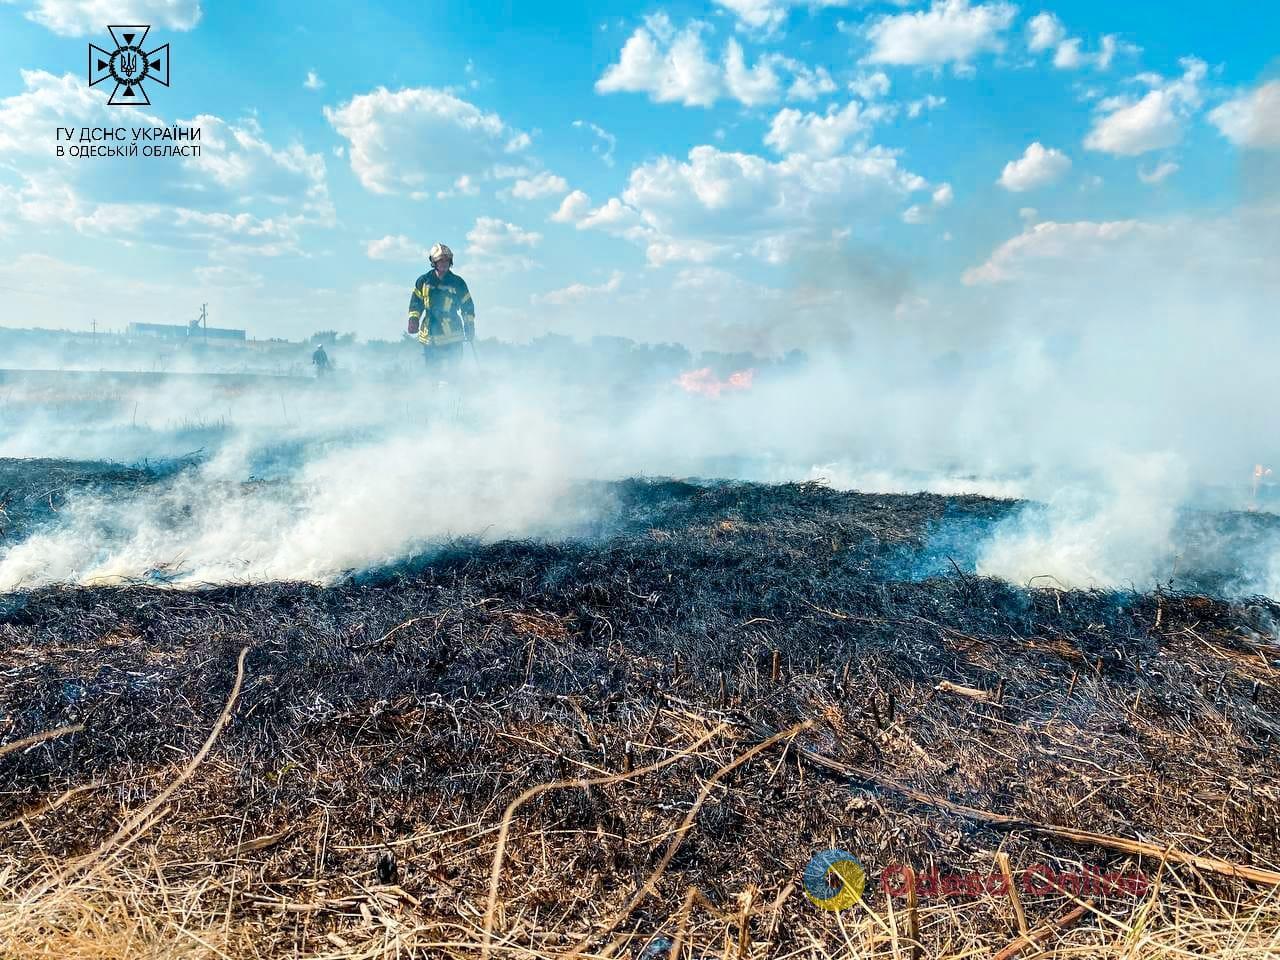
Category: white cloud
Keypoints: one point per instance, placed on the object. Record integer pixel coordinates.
(807, 83)
(1052, 241)
(398, 248)
(541, 185)
(390, 136)
(75, 18)
(1044, 30)
(1037, 167)
(951, 31)
(464, 186)
(716, 203)
(1158, 174)
(573, 208)
(1068, 56)
(577, 292)
(607, 141)
(613, 217)
(242, 195)
(1251, 119)
(768, 15)
(1110, 47)
(672, 66)
(870, 86)
(919, 213)
(1156, 121)
(494, 245)
(750, 86)
(313, 81)
(669, 66)
(238, 158)
(815, 134)
(928, 102)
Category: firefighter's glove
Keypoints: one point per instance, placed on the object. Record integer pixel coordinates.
(413, 324)
(469, 329)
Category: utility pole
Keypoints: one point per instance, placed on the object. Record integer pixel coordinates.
(204, 321)
(94, 324)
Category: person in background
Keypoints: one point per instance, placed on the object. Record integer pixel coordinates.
(320, 360)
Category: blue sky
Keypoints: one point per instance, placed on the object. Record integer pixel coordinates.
(746, 173)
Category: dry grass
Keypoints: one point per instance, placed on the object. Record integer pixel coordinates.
(126, 914)
(715, 705)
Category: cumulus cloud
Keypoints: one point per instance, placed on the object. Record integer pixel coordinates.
(1037, 167)
(397, 248)
(403, 141)
(541, 185)
(614, 217)
(808, 83)
(75, 18)
(464, 186)
(1159, 173)
(577, 292)
(768, 15)
(718, 203)
(1068, 56)
(573, 208)
(673, 66)
(494, 245)
(926, 103)
(950, 31)
(670, 66)
(750, 86)
(244, 194)
(1127, 127)
(1050, 241)
(1251, 119)
(815, 134)
(1044, 31)
(870, 86)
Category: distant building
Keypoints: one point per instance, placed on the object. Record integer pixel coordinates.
(164, 331)
(218, 333)
(182, 331)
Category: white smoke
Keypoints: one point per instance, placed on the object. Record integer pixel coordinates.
(1111, 375)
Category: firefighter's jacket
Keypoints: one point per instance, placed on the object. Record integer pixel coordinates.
(440, 309)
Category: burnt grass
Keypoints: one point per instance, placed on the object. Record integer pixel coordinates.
(396, 714)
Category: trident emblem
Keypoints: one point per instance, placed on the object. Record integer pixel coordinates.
(129, 65)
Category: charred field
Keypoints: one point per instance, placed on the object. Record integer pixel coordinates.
(632, 744)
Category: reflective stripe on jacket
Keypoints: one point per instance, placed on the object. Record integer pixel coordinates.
(441, 305)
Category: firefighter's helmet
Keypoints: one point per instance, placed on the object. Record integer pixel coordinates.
(440, 252)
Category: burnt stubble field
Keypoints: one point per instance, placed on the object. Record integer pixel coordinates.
(632, 743)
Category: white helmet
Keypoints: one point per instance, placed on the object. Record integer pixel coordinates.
(438, 252)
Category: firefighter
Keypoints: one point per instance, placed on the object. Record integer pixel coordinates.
(441, 312)
(320, 360)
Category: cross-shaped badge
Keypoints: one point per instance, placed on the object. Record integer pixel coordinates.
(129, 65)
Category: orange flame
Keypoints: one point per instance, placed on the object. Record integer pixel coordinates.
(706, 383)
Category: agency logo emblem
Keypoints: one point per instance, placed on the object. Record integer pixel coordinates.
(849, 873)
(129, 65)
